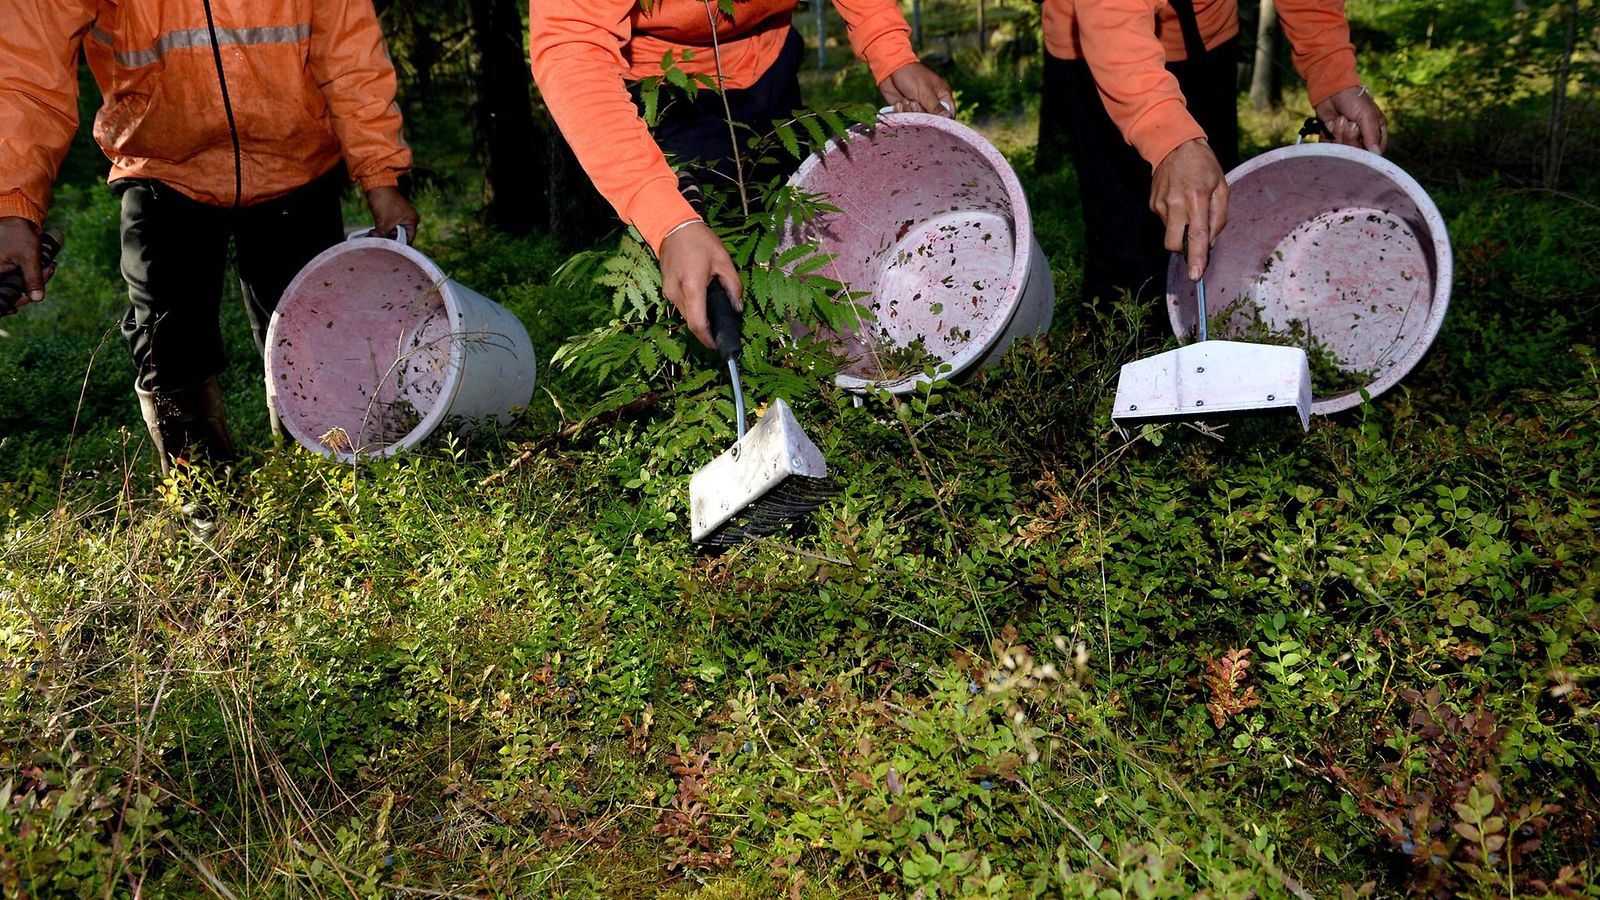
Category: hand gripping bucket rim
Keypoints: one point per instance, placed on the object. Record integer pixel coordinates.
(1433, 242)
(458, 303)
(1030, 279)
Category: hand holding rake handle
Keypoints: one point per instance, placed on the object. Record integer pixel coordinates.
(726, 334)
(12, 287)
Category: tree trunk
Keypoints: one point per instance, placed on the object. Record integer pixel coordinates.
(579, 216)
(1266, 82)
(1558, 102)
(1050, 149)
(822, 33)
(508, 137)
(425, 52)
(983, 45)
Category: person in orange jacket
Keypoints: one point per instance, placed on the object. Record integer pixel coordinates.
(1149, 87)
(584, 53)
(221, 118)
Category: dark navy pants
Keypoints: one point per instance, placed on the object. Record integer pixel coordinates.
(174, 253)
(1123, 239)
(697, 130)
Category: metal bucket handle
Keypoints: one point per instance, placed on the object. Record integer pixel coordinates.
(402, 236)
(1313, 127)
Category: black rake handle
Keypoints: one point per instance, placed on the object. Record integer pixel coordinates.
(12, 287)
(726, 331)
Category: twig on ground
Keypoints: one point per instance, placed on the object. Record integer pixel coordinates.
(83, 391)
(199, 865)
(812, 749)
(1061, 817)
(762, 541)
(627, 410)
(1110, 456)
(1211, 431)
(927, 473)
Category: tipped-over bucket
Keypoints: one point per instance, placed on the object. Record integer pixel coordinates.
(373, 348)
(1332, 249)
(934, 227)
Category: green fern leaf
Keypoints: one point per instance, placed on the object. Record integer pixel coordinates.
(861, 113)
(818, 139)
(837, 127)
(794, 254)
(813, 262)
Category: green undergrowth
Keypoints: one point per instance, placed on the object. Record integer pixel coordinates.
(1018, 655)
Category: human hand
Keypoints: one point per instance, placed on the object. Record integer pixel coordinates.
(391, 210)
(690, 257)
(19, 251)
(1352, 117)
(1190, 194)
(916, 88)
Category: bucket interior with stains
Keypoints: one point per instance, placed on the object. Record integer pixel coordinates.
(934, 228)
(373, 348)
(1332, 249)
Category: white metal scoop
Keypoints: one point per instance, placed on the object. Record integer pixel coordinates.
(1210, 377)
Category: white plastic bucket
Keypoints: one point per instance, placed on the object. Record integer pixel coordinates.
(934, 226)
(1334, 242)
(373, 348)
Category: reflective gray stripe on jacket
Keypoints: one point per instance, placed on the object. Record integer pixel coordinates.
(201, 37)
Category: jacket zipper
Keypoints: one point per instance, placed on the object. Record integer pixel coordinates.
(227, 107)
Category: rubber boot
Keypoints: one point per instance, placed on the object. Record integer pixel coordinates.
(190, 425)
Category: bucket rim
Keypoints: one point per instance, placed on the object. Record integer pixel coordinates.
(452, 375)
(1021, 231)
(1439, 236)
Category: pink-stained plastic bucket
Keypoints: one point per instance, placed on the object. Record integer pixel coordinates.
(933, 225)
(1332, 242)
(373, 348)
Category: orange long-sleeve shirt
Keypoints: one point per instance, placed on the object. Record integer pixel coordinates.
(307, 80)
(585, 51)
(1128, 42)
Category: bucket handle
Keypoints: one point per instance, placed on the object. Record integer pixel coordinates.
(1312, 127)
(401, 235)
(945, 104)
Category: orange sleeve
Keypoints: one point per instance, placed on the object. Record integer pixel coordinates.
(1129, 65)
(1323, 54)
(576, 50)
(38, 98)
(878, 34)
(351, 65)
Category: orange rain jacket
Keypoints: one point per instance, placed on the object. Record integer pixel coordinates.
(585, 51)
(1128, 42)
(304, 79)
